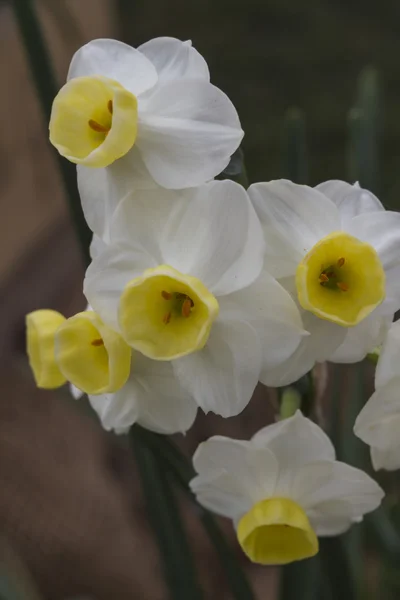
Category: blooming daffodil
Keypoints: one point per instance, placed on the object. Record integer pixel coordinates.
(129, 116)
(282, 489)
(378, 423)
(337, 251)
(123, 386)
(180, 281)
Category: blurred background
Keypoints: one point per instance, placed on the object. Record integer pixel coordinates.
(72, 515)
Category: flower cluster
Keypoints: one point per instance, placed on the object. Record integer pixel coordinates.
(198, 289)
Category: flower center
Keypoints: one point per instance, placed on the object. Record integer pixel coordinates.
(165, 314)
(341, 279)
(93, 121)
(90, 355)
(276, 531)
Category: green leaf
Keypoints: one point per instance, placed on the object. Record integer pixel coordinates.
(46, 88)
(179, 567)
(295, 162)
(301, 580)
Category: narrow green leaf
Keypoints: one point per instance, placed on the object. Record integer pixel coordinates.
(301, 580)
(336, 568)
(46, 88)
(364, 130)
(183, 471)
(180, 571)
(295, 164)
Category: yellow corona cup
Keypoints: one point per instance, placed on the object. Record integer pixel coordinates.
(165, 314)
(93, 121)
(41, 326)
(276, 531)
(90, 355)
(341, 279)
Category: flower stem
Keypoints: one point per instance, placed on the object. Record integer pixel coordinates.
(183, 472)
(46, 88)
(180, 571)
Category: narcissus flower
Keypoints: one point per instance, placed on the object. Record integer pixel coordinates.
(282, 489)
(81, 350)
(337, 251)
(180, 281)
(378, 423)
(151, 111)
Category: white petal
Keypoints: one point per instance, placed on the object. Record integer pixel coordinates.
(174, 59)
(351, 200)
(116, 60)
(377, 424)
(388, 459)
(226, 464)
(294, 218)
(164, 406)
(107, 276)
(117, 412)
(97, 246)
(216, 236)
(320, 484)
(142, 217)
(223, 375)
(382, 231)
(224, 495)
(389, 360)
(323, 340)
(275, 316)
(362, 338)
(187, 133)
(102, 189)
(307, 441)
(76, 393)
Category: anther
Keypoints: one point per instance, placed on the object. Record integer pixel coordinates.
(98, 127)
(340, 262)
(167, 318)
(110, 106)
(323, 278)
(98, 342)
(342, 286)
(186, 307)
(166, 295)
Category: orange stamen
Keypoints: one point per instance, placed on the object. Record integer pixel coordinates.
(167, 318)
(166, 295)
(342, 286)
(98, 342)
(340, 262)
(110, 106)
(186, 307)
(98, 127)
(323, 278)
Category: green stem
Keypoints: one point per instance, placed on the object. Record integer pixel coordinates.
(46, 88)
(300, 580)
(183, 472)
(336, 568)
(295, 147)
(180, 571)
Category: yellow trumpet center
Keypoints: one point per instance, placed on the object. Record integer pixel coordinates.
(165, 314)
(93, 121)
(41, 326)
(90, 355)
(276, 531)
(341, 279)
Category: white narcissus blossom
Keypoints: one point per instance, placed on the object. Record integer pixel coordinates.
(378, 423)
(128, 116)
(180, 280)
(282, 489)
(337, 251)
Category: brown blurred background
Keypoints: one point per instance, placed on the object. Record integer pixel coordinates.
(71, 508)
